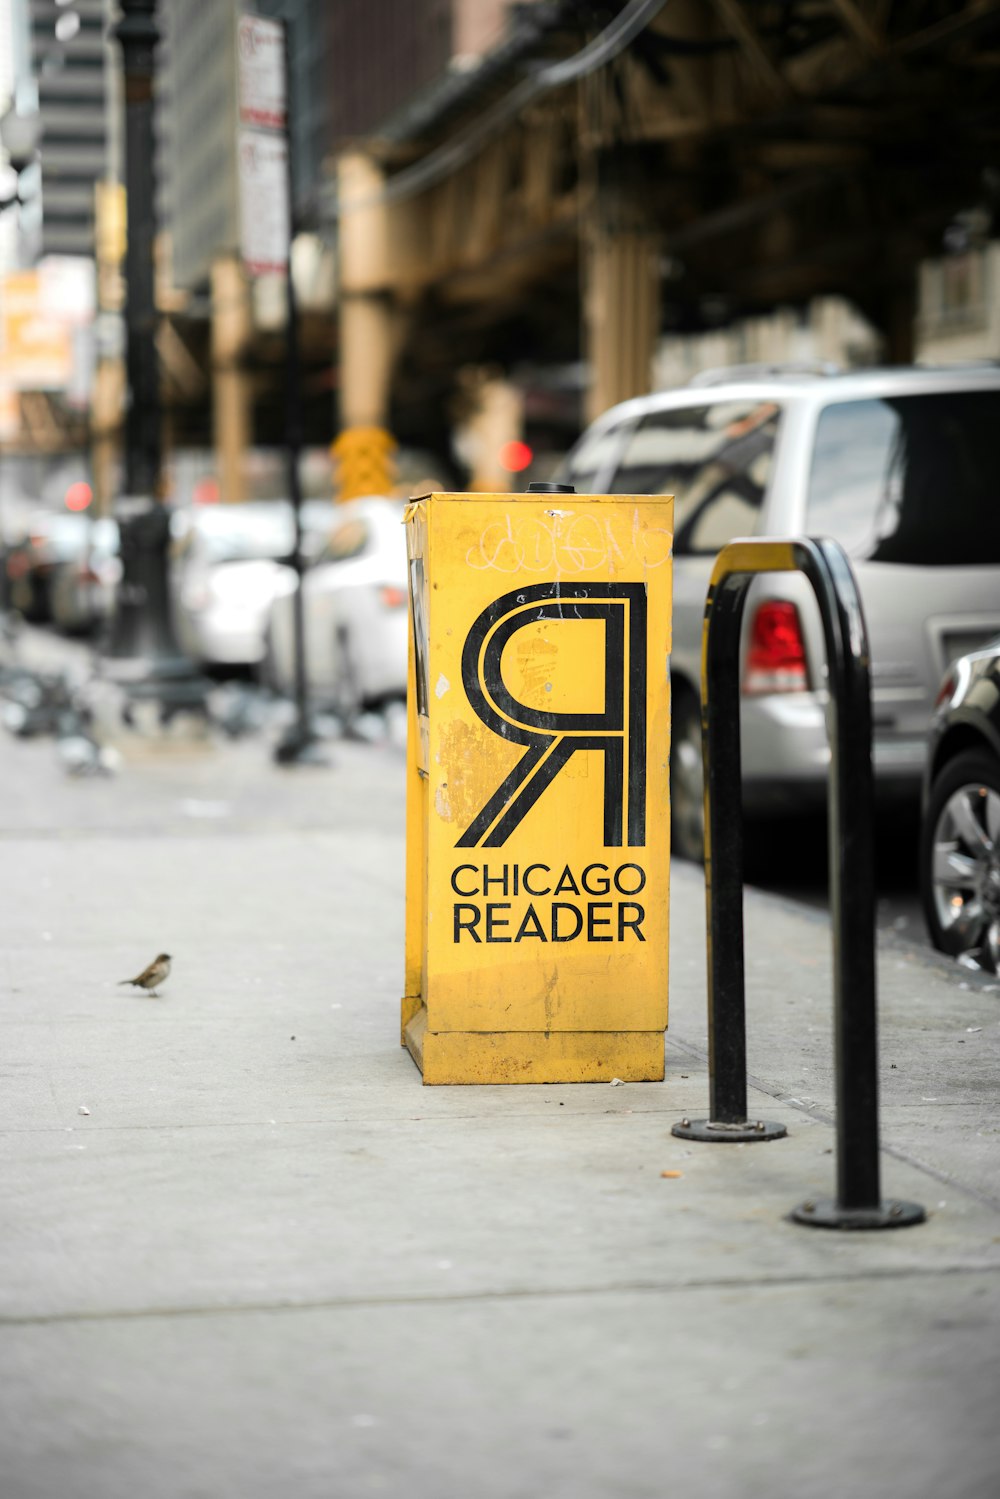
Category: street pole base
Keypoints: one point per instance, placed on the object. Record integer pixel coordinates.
(827, 1213)
(300, 747)
(173, 683)
(742, 1133)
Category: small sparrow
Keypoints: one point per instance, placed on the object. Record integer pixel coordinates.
(152, 977)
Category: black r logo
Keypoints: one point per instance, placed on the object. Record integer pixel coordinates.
(619, 732)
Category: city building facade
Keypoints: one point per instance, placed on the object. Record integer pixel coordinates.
(70, 63)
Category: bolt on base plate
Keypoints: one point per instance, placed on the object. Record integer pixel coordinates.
(827, 1213)
(742, 1132)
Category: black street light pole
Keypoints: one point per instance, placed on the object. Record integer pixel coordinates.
(19, 138)
(142, 644)
(300, 745)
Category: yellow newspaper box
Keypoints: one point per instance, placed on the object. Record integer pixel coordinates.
(537, 887)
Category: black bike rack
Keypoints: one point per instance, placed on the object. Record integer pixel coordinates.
(858, 1204)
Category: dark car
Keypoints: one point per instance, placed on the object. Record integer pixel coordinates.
(82, 587)
(53, 539)
(960, 834)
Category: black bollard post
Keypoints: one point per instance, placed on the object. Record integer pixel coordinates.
(858, 1204)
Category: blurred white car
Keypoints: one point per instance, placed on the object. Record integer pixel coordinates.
(82, 588)
(52, 540)
(354, 602)
(227, 562)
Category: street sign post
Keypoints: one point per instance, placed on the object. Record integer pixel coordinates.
(263, 145)
(263, 95)
(264, 207)
(267, 230)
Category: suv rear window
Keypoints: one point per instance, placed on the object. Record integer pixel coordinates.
(715, 460)
(347, 541)
(909, 479)
(592, 455)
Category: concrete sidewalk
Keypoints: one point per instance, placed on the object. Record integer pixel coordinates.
(245, 1252)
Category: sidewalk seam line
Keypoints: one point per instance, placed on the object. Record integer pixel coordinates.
(555, 1293)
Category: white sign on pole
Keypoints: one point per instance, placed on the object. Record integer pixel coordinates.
(263, 201)
(68, 287)
(261, 55)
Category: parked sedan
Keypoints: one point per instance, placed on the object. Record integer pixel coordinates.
(82, 588)
(227, 562)
(960, 834)
(354, 608)
(54, 537)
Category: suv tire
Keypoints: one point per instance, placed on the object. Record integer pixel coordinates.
(974, 931)
(687, 782)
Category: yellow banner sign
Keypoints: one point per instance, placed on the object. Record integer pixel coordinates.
(36, 346)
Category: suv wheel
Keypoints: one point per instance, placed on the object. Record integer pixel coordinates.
(960, 860)
(687, 805)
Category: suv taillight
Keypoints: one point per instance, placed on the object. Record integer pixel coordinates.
(947, 691)
(776, 657)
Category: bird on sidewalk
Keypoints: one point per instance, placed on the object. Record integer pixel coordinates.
(152, 977)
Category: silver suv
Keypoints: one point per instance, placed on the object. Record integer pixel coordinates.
(898, 465)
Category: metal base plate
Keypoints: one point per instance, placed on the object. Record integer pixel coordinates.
(827, 1213)
(738, 1134)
